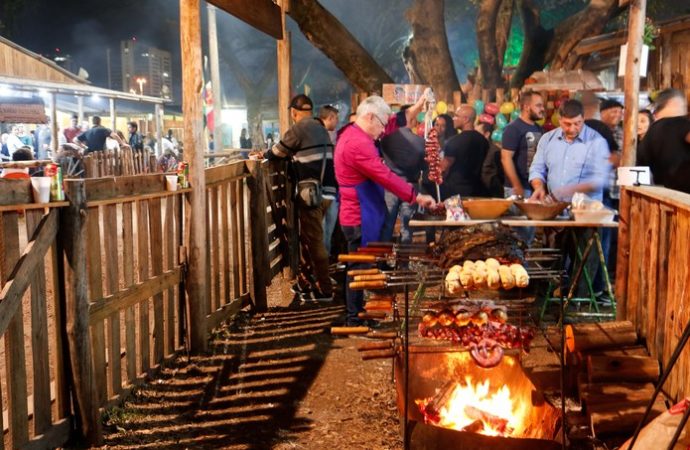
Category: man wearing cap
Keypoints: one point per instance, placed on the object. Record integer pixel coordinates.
(310, 147)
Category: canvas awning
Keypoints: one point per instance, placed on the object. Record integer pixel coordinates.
(571, 80)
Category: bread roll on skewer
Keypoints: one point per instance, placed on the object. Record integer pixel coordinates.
(493, 263)
(507, 278)
(520, 274)
(493, 279)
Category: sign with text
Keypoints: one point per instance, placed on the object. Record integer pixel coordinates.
(402, 94)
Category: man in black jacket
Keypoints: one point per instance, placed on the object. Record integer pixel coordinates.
(310, 147)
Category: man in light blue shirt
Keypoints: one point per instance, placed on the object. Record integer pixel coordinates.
(572, 158)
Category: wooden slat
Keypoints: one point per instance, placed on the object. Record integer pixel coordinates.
(128, 273)
(225, 232)
(214, 249)
(156, 232)
(143, 263)
(264, 15)
(96, 291)
(13, 192)
(55, 436)
(671, 197)
(656, 349)
(235, 225)
(110, 242)
(650, 308)
(225, 173)
(39, 337)
(108, 188)
(225, 312)
(62, 396)
(14, 336)
(242, 262)
(169, 245)
(28, 206)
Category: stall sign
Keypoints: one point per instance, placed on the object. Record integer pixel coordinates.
(22, 110)
(402, 94)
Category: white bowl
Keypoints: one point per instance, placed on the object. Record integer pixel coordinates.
(601, 216)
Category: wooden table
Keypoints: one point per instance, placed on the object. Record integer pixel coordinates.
(447, 223)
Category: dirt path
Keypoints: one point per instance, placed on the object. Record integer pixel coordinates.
(273, 381)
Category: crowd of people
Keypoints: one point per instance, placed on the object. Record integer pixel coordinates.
(372, 172)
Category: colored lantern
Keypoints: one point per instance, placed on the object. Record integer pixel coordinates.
(514, 115)
(487, 118)
(497, 135)
(441, 107)
(501, 121)
(478, 106)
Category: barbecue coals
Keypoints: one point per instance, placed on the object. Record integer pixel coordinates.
(485, 274)
(432, 156)
(479, 242)
(482, 330)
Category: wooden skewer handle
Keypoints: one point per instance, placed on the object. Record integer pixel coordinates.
(381, 345)
(357, 258)
(368, 284)
(378, 354)
(382, 334)
(372, 315)
(349, 330)
(377, 277)
(356, 272)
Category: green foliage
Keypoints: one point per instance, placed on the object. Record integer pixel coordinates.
(516, 41)
(649, 33)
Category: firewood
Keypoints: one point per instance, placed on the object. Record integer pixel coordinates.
(381, 345)
(378, 354)
(620, 418)
(622, 368)
(597, 394)
(587, 336)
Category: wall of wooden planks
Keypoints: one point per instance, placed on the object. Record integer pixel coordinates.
(653, 273)
(119, 288)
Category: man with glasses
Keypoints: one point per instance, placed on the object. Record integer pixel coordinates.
(307, 142)
(362, 178)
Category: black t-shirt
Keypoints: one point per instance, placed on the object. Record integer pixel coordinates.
(605, 132)
(667, 153)
(95, 138)
(403, 152)
(465, 175)
(521, 138)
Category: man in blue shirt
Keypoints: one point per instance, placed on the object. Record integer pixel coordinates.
(572, 158)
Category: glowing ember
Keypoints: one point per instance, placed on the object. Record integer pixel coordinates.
(476, 408)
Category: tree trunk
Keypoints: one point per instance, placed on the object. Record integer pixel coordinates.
(536, 42)
(327, 34)
(503, 23)
(569, 32)
(428, 47)
(489, 58)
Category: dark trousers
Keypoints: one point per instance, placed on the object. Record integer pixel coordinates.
(354, 299)
(314, 261)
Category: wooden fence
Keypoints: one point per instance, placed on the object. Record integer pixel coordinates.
(113, 163)
(98, 285)
(653, 273)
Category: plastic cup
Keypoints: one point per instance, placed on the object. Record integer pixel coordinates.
(171, 182)
(41, 189)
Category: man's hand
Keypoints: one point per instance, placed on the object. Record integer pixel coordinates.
(427, 201)
(539, 194)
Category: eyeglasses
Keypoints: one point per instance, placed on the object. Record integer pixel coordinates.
(383, 124)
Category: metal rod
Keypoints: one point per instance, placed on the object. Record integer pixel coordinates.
(406, 356)
(671, 362)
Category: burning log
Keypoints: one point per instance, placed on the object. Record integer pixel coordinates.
(498, 424)
(622, 368)
(587, 336)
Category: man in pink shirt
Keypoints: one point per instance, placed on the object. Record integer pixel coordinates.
(362, 177)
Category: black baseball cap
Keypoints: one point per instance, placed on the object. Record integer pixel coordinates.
(609, 103)
(301, 102)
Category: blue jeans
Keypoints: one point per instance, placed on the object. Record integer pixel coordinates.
(354, 299)
(329, 221)
(406, 210)
(525, 233)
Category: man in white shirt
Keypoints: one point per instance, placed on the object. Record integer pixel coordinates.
(13, 141)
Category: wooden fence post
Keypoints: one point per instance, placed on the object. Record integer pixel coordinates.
(259, 234)
(73, 242)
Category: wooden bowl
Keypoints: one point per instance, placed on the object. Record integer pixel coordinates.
(486, 208)
(542, 211)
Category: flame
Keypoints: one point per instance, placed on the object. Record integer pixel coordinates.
(474, 407)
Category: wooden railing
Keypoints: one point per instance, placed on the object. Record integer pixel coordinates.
(98, 284)
(113, 163)
(653, 273)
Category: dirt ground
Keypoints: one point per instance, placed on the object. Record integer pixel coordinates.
(277, 380)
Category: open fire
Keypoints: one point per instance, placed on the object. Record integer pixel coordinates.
(475, 407)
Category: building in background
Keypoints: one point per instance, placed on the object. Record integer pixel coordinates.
(141, 69)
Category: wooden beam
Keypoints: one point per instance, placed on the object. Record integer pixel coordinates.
(195, 213)
(215, 79)
(264, 15)
(284, 72)
(259, 237)
(636, 18)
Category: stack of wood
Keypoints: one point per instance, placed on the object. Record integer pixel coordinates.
(615, 376)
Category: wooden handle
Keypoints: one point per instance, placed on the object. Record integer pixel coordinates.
(374, 250)
(378, 354)
(372, 315)
(380, 345)
(357, 258)
(368, 284)
(377, 277)
(382, 334)
(349, 330)
(354, 273)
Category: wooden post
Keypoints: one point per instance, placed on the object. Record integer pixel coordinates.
(158, 123)
(666, 63)
(284, 71)
(113, 118)
(197, 290)
(73, 242)
(215, 78)
(623, 255)
(53, 124)
(80, 110)
(259, 234)
(636, 18)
